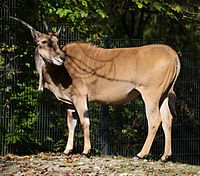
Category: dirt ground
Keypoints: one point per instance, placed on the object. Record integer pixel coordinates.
(51, 164)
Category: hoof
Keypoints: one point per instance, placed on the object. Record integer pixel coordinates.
(166, 159)
(70, 152)
(85, 155)
(137, 158)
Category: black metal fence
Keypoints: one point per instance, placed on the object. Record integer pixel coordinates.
(115, 130)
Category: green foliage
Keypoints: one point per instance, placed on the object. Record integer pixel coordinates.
(21, 105)
(127, 125)
(177, 21)
(19, 98)
(86, 16)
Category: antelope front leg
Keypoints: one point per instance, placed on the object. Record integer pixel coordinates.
(71, 122)
(81, 107)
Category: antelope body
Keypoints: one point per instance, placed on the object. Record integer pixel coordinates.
(80, 72)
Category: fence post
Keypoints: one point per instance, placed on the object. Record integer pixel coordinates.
(105, 112)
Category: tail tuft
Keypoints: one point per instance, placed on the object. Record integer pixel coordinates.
(172, 100)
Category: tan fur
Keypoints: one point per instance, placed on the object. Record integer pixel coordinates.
(116, 76)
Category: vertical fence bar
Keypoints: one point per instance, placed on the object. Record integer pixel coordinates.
(105, 113)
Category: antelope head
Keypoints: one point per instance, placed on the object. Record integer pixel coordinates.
(47, 44)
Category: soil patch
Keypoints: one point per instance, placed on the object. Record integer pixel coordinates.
(52, 164)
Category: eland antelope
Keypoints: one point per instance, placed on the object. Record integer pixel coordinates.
(80, 72)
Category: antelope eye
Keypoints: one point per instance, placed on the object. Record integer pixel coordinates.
(44, 42)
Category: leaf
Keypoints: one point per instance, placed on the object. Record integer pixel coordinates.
(60, 12)
(146, 1)
(69, 165)
(71, 17)
(158, 6)
(84, 14)
(101, 13)
(54, 29)
(140, 5)
(49, 138)
(84, 3)
(28, 65)
(177, 8)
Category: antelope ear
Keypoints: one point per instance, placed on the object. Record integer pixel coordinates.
(57, 33)
(35, 34)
